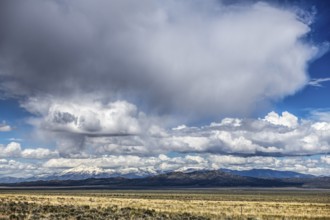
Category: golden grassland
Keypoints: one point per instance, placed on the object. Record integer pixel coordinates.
(165, 204)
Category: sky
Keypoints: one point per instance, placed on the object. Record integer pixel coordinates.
(159, 86)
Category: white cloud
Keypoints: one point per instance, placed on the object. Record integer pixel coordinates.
(318, 82)
(14, 168)
(106, 162)
(90, 118)
(286, 119)
(4, 127)
(325, 159)
(71, 124)
(39, 153)
(14, 150)
(320, 115)
(272, 135)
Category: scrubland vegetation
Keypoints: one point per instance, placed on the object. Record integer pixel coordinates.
(206, 204)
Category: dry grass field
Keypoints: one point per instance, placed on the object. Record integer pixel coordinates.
(165, 204)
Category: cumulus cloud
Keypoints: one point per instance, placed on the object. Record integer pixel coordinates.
(14, 168)
(89, 118)
(286, 119)
(70, 124)
(14, 150)
(175, 57)
(39, 153)
(325, 159)
(273, 135)
(5, 127)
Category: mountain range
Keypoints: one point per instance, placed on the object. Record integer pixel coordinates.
(188, 179)
(85, 172)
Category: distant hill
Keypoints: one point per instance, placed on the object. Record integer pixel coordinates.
(213, 178)
(268, 173)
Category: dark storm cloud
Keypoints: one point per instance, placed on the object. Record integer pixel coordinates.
(174, 57)
(57, 47)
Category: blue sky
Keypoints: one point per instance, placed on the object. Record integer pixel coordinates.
(134, 87)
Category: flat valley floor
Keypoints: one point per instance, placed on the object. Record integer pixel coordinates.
(229, 203)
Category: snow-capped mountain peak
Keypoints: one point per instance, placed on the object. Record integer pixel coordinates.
(90, 170)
